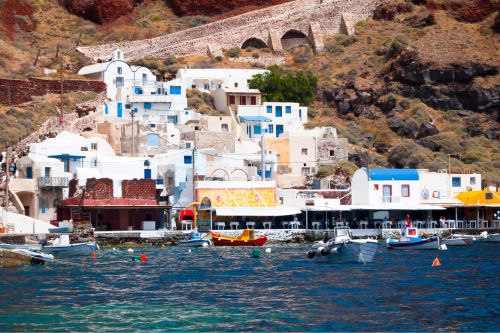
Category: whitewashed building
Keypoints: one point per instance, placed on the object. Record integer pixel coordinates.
(211, 79)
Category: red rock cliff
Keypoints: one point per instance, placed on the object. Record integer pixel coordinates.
(218, 7)
(99, 11)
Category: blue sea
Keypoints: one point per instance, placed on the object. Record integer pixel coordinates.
(225, 289)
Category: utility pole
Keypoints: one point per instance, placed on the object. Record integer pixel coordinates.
(194, 163)
(61, 120)
(132, 115)
(6, 197)
(262, 154)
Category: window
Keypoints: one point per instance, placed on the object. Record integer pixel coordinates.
(106, 109)
(188, 145)
(188, 159)
(119, 70)
(29, 172)
(387, 193)
(152, 125)
(236, 84)
(300, 114)
(456, 182)
(47, 171)
(253, 100)
(269, 109)
(193, 86)
(332, 153)
(224, 128)
(175, 90)
(306, 171)
(288, 109)
(279, 111)
(405, 191)
(473, 180)
(153, 140)
(93, 146)
(488, 195)
(206, 86)
(232, 99)
(119, 82)
(304, 151)
(243, 100)
(144, 78)
(163, 118)
(256, 129)
(270, 128)
(128, 106)
(147, 105)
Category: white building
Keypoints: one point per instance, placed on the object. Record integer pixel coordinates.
(118, 75)
(210, 79)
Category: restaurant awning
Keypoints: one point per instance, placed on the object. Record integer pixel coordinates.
(257, 211)
(327, 208)
(255, 118)
(396, 207)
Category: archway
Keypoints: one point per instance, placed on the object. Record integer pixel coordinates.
(256, 43)
(293, 38)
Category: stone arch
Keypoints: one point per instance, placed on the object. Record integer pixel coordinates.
(293, 37)
(254, 42)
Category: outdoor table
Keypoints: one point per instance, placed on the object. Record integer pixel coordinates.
(315, 225)
(363, 224)
(387, 225)
(266, 225)
(236, 225)
(285, 224)
(187, 225)
(294, 225)
(220, 225)
(250, 225)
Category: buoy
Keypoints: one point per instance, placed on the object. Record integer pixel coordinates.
(135, 258)
(204, 245)
(256, 253)
(114, 249)
(144, 258)
(93, 254)
(189, 250)
(130, 250)
(268, 250)
(436, 262)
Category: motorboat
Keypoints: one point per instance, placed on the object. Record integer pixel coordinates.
(247, 238)
(343, 249)
(195, 240)
(493, 238)
(61, 247)
(457, 241)
(15, 257)
(411, 241)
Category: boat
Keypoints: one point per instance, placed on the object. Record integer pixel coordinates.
(195, 240)
(343, 249)
(15, 257)
(59, 230)
(411, 241)
(493, 238)
(61, 247)
(457, 241)
(247, 238)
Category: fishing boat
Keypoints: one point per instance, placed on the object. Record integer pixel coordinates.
(493, 238)
(15, 257)
(411, 241)
(247, 238)
(457, 241)
(195, 240)
(61, 247)
(343, 249)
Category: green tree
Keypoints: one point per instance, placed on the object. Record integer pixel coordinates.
(279, 85)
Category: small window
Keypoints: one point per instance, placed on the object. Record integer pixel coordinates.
(225, 128)
(304, 151)
(473, 180)
(236, 84)
(456, 182)
(332, 153)
(197, 128)
(147, 105)
(253, 100)
(270, 128)
(243, 100)
(188, 159)
(288, 109)
(207, 86)
(375, 187)
(405, 191)
(232, 99)
(488, 195)
(175, 90)
(119, 70)
(128, 106)
(193, 86)
(119, 82)
(152, 125)
(306, 171)
(269, 109)
(93, 146)
(144, 78)
(188, 145)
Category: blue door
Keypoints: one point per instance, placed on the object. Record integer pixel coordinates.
(119, 110)
(279, 111)
(29, 172)
(256, 129)
(279, 130)
(147, 173)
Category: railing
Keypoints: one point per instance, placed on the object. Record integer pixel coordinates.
(390, 199)
(53, 182)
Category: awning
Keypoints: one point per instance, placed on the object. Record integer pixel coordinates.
(396, 207)
(257, 211)
(327, 208)
(67, 157)
(255, 118)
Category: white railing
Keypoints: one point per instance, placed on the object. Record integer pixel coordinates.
(53, 182)
(390, 199)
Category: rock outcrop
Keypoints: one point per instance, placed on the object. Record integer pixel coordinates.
(16, 13)
(99, 11)
(217, 7)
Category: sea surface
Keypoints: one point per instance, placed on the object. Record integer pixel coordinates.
(225, 289)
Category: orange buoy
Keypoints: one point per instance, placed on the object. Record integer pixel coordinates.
(144, 258)
(436, 262)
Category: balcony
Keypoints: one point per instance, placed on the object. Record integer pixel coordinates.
(53, 182)
(390, 199)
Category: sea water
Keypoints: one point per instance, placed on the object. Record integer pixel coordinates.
(226, 289)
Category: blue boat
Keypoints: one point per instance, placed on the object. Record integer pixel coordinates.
(195, 240)
(411, 241)
(59, 230)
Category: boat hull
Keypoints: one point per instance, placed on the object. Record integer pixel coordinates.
(195, 243)
(237, 242)
(354, 251)
(78, 249)
(494, 238)
(457, 241)
(423, 244)
(17, 257)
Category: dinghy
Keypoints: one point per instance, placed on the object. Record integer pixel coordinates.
(61, 247)
(411, 241)
(195, 240)
(15, 257)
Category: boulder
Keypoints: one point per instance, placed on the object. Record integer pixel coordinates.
(386, 103)
(428, 144)
(422, 19)
(426, 129)
(407, 128)
(360, 158)
(381, 148)
(388, 9)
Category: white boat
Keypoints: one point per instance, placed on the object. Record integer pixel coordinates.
(457, 241)
(343, 249)
(410, 240)
(62, 248)
(493, 238)
(195, 240)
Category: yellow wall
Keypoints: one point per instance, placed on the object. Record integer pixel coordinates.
(280, 146)
(258, 197)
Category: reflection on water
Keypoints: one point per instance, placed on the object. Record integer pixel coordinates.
(225, 289)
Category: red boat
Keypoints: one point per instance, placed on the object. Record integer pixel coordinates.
(247, 238)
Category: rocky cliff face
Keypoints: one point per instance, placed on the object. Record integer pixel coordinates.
(217, 7)
(99, 11)
(16, 13)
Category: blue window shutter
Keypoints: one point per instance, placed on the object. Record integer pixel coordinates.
(147, 173)
(256, 129)
(269, 109)
(175, 90)
(147, 105)
(119, 110)
(188, 159)
(271, 128)
(106, 109)
(279, 111)
(29, 172)
(300, 113)
(288, 109)
(279, 130)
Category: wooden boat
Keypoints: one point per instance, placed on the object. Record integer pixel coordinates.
(15, 257)
(195, 240)
(411, 241)
(62, 248)
(343, 249)
(247, 238)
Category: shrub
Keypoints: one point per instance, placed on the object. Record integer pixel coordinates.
(408, 155)
(325, 171)
(301, 55)
(219, 58)
(279, 85)
(234, 52)
(333, 48)
(346, 40)
(170, 60)
(255, 56)
(473, 126)
(398, 44)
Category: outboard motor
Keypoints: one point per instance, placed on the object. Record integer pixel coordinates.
(311, 254)
(324, 251)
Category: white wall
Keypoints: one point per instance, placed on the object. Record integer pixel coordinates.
(211, 79)
(359, 187)
(24, 224)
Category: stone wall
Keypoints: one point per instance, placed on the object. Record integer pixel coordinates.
(313, 18)
(99, 189)
(220, 141)
(339, 146)
(21, 91)
(144, 189)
